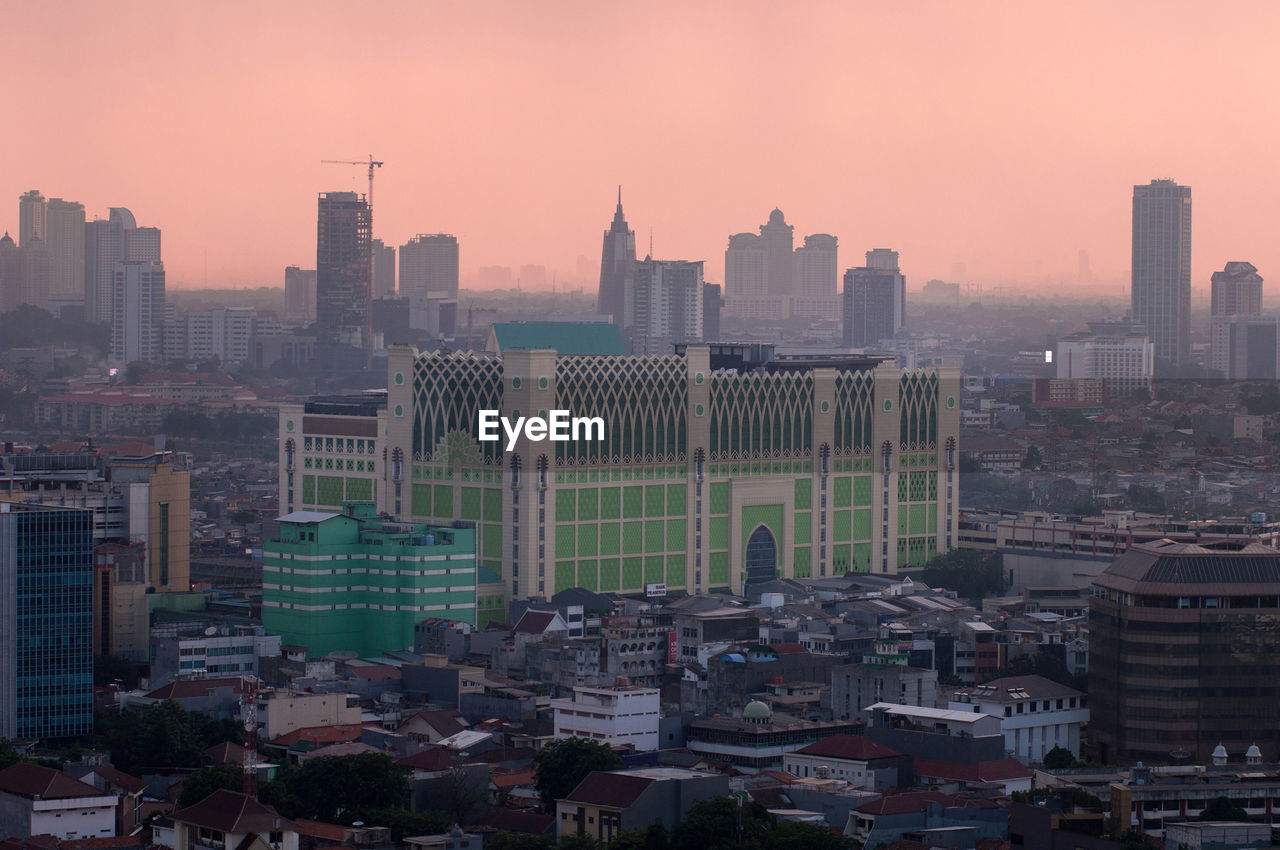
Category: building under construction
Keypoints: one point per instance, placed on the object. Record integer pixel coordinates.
(344, 291)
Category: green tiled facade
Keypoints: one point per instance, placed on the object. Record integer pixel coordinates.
(845, 470)
(358, 581)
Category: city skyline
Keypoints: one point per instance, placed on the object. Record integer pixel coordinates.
(1087, 116)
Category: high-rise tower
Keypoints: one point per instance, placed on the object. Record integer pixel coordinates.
(778, 239)
(344, 304)
(46, 621)
(874, 299)
(64, 229)
(617, 264)
(1161, 287)
(32, 211)
(429, 266)
(1242, 343)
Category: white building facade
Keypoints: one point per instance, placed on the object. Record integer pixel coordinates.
(1036, 715)
(621, 714)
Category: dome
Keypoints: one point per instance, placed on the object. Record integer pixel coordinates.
(776, 217)
(756, 710)
(1219, 752)
(1253, 752)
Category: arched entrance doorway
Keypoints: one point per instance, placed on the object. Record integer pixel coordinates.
(761, 557)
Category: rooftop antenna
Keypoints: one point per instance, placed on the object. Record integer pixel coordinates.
(650, 234)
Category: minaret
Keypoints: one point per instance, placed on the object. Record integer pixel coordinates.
(617, 258)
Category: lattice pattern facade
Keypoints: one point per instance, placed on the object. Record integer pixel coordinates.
(693, 463)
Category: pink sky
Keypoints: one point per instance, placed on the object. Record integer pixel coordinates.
(1006, 136)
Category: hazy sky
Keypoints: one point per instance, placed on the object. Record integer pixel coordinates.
(1006, 136)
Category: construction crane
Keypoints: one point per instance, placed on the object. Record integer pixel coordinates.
(368, 319)
(372, 163)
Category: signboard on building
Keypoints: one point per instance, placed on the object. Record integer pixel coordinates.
(655, 589)
(671, 647)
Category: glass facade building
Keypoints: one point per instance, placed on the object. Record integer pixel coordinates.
(46, 621)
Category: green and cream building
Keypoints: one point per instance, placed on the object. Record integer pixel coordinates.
(705, 478)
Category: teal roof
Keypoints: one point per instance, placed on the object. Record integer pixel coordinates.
(564, 337)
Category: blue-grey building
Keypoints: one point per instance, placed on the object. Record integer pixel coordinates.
(46, 621)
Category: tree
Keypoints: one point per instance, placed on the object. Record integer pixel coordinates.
(1221, 808)
(462, 793)
(109, 668)
(1059, 758)
(403, 822)
(335, 788)
(573, 841)
(205, 781)
(518, 841)
(164, 735)
(561, 765)
(1148, 499)
(714, 824)
(971, 574)
(791, 835)
(1033, 458)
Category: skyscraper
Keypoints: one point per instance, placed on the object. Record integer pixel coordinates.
(817, 273)
(617, 262)
(137, 313)
(874, 299)
(118, 239)
(10, 273)
(46, 621)
(667, 305)
(384, 269)
(343, 286)
(64, 229)
(746, 270)
(778, 239)
(300, 294)
(429, 266)
(1161, 287)
(32, 212)
(1234, 327)
(1237, 291)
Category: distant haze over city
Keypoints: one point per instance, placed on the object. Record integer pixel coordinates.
(1005, 137)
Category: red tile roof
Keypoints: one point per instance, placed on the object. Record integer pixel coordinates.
(529, 823)
(120, 779)
(849, 747)
(513, 780)
(225, 753)
(32, 780)
(320, 735)
(535, 622)
(229, 811)
(986, 771)
(907, 802)
(112, 842)
(436, 758)
(318, 829)
(376, 672)
(615, 790)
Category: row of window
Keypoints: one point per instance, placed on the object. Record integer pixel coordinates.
(338, 444)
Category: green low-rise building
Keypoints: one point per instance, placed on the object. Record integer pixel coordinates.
(358, 581)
